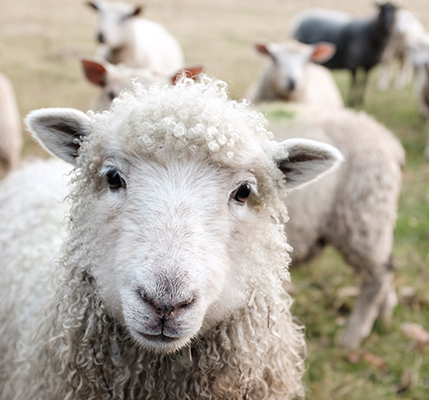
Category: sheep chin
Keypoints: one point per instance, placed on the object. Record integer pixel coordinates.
(160, 343)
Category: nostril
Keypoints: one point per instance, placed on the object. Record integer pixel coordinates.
(291, 84)
(165, 309)
(100, 37)
(185, 303)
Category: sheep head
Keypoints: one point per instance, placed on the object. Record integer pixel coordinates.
(112, 79)
(290, 60)
(112, 26)
(177, 203)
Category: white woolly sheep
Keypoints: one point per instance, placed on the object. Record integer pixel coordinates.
(136, 42)
(114, 78)
(407, 32)
(353, 209)
(169, 283)
(290, 75)
(10, 127)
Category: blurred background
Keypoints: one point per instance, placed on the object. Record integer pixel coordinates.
(40, 45)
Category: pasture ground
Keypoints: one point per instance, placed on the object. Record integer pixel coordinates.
(40, 42)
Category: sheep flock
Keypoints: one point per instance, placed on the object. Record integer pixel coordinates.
(158, 216)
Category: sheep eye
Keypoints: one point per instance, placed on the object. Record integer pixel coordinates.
(114, 180)
(242, 193)
(111, 95)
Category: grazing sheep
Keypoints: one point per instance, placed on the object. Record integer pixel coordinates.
(169, 282)
(407, 31)
(360, 42)
(113, 78)
(353, 209)
(10, 127)
(136, 42)
(290, 76)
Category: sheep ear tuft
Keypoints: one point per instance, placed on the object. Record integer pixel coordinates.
(59, 130)
(303, 160)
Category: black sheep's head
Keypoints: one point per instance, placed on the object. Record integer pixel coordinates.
(386, 15)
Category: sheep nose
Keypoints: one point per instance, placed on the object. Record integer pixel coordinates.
(165, 309)
(100, 37)
(291, 84)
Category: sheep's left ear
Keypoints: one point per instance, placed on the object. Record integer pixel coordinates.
(303, 160)
(138, 10)
(323, 52)
(59, 130)
(191, 73)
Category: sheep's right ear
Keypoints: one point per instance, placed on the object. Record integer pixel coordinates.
(262, 48)
(303, 160)
(322, 52)
(95, 6)
(59, 130)
(95, 72)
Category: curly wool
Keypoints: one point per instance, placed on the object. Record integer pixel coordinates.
(81, 352)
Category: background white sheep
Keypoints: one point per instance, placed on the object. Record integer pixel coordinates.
(136, 42)
(10, 127)
(113, 78)
(406, 34)
(169, 283)
(290, 75)
(353, 209)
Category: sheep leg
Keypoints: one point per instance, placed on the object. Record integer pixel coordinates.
(419, 83)
(353, 87)
(377, 297)
(362, 86)
(427, 141)
(404, 73)
(357, 88)
(384, 79)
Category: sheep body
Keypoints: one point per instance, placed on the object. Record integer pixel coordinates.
(158, 212)
(353, 209)
(360, 42)
(136, 42)
(290, 76)
(10, 126)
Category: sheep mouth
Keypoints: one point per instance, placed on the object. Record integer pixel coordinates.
(158, 338)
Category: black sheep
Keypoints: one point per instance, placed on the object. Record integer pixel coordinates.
(360, 42)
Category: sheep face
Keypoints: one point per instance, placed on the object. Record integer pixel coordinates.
(386, 16)
(289, 63)
(176, 231)
(176, 219)
(113, 22)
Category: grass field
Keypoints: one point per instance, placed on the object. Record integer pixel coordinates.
(40, 42)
